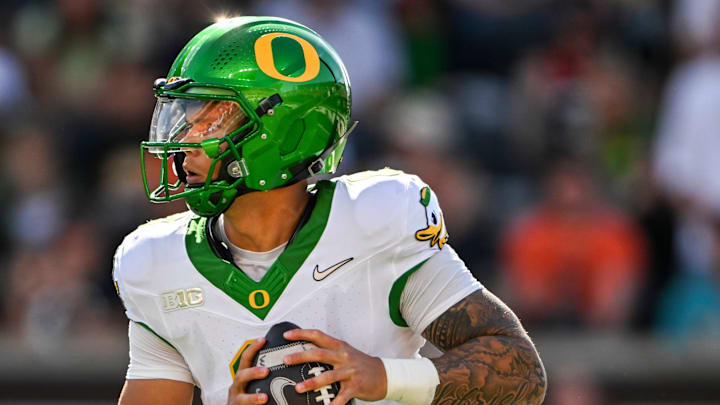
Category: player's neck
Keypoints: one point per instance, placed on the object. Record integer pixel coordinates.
(261, 221)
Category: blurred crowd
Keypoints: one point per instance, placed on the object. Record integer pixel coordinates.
(572, 145)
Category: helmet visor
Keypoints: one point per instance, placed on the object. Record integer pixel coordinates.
(186, 122)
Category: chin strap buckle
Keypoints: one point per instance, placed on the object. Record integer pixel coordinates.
(266, 105)
(318, 165)
(237, 169)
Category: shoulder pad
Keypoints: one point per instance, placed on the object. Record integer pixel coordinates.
(136, 255)
(392, 203)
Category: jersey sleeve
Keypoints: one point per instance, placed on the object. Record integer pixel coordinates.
(132, 276)
(121, 287)
(433, 277)
(441, 282)
(151, 357)
(139, 273)
(424, 230)
(422, 247)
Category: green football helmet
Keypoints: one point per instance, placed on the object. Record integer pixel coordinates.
(265, 98)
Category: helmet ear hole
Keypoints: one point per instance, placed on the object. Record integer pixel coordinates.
(292, 137)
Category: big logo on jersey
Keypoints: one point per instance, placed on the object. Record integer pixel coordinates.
(435, 230)
(174, 300)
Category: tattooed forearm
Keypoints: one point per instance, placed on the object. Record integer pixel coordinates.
(490, 370)
(488, 357)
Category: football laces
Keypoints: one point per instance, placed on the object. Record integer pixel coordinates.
(324, 392)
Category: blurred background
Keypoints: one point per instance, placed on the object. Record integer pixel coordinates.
(573, 146)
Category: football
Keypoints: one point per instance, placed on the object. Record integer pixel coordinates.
(279, 385)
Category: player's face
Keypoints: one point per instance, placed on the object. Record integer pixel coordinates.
(197, 165)
(213, 119)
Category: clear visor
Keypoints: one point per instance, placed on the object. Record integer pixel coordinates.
(187, 121)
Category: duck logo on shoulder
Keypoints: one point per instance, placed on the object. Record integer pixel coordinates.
(434, 231)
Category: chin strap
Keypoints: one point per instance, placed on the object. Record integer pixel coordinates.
(266, 105)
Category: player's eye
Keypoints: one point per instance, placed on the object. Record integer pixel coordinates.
(434, 218)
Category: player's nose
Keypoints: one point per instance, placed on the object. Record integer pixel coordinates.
(192, 153)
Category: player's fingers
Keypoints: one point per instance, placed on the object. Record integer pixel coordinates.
(312, 335)
(247, 399)
(342, 398)
(324, 379)
(312, 355)
(244, 376)
(249, 354)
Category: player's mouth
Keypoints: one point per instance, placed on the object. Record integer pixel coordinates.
(193, 177)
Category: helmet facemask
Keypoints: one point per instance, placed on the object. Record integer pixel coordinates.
(207, 120)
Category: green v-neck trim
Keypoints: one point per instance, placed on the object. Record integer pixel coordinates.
(259, 297)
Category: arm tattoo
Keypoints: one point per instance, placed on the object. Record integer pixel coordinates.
(489, 359)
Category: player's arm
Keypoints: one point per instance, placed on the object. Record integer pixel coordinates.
(157, 373)
(156, 392)
(488, 357)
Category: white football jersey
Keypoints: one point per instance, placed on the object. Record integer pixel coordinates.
(343, 273)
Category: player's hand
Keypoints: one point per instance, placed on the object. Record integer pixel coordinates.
(360, 376)
(245, 374)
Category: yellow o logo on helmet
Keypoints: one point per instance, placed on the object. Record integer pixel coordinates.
(266, 61)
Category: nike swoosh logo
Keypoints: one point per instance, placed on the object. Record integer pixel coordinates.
(276, 389)
(320, 275)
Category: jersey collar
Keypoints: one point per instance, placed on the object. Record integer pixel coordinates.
(258, 297)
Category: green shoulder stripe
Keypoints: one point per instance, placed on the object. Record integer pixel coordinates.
(396, 293)
(155, 333)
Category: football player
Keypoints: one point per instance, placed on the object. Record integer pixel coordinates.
(251, 109)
